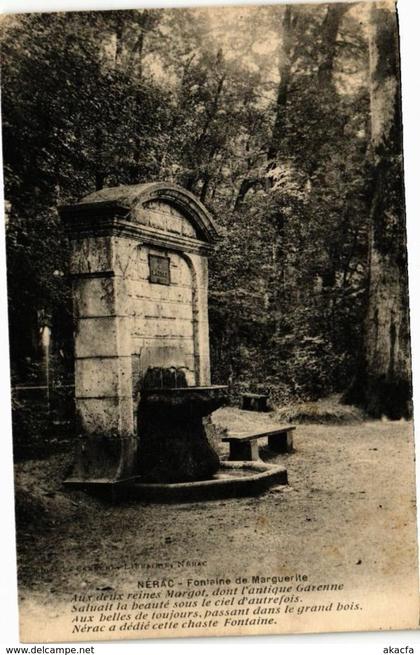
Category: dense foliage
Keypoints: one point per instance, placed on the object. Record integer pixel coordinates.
(263, 112)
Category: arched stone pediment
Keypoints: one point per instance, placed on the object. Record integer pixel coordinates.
(137, 203)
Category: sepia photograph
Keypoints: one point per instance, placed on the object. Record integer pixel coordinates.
(209, 327)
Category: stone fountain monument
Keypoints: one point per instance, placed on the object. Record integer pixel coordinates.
(142, 370)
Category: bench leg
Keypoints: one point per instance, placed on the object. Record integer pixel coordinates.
(281, 443)
(244, 451)
(246, 403)
(262, 405)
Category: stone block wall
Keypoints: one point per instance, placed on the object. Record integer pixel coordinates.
(163, 317)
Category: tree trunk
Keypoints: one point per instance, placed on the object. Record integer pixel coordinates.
(285, 66)
(383, 383)
(279, 126)
(329, 33)
(192, 178)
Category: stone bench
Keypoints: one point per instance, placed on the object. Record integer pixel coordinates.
(256, 402)
(244, 445)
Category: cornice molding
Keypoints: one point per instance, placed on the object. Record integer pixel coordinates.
(116, 227)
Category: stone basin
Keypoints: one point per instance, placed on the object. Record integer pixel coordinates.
(233, 480)
(173, 446)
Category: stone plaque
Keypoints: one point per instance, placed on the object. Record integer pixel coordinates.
(159, 267)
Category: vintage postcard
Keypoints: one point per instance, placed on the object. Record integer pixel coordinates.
(209, 321)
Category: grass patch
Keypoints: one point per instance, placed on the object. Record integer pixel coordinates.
(325, 411)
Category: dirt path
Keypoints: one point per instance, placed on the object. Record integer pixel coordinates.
(348, 515)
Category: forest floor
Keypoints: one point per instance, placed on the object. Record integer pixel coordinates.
(348, 514)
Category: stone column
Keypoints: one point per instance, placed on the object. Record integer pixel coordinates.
(103, 372)
(199, 266)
